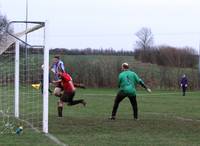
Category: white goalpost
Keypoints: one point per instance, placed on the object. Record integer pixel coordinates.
(46, 85)
(20, 103)
(17, 79)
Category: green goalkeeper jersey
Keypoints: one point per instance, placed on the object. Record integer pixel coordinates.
(127, 82)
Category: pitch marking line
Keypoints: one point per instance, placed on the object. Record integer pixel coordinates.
(137, 94)
(177, 117)
(48, 135)
(56, 140)
(142, 94)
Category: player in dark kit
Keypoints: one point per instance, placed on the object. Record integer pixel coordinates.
(68, 91)
(41, 81)
(184, 84)
(127, 82)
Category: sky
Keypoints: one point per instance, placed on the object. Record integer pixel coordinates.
(110, 23)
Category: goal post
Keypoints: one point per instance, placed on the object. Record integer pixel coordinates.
(17, 79)
(27, 101)
(46, 84)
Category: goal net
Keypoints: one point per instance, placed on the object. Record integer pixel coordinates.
(21, 97)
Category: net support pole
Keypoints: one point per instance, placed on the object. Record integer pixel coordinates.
(17, 79)
(199, 67)
(45, 83)
(199, 57)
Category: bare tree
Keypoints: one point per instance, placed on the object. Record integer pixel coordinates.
(3, 24)
(144, 43)
(145, 38)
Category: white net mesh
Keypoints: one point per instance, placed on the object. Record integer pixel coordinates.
(30, 72)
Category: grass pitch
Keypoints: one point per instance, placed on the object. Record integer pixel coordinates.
(165, 119)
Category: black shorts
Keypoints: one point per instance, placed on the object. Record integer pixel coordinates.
(67, 96)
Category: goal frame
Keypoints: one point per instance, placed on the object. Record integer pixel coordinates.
(45, 70)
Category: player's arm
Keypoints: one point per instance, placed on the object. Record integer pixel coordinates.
(119, 81)
(56, 82)
(79, 85)
(142, 84)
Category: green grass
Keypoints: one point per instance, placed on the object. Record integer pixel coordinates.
(165, 119)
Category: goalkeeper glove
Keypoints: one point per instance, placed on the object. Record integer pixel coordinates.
(149, 90)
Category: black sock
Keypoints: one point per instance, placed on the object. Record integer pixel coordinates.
(60, 109)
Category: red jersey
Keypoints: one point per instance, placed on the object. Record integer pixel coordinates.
(68, 85)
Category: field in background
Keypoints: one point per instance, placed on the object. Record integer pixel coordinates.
(98, 71)
(102, 71)
(166, 118)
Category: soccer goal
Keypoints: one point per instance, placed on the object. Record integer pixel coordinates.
(22, 53)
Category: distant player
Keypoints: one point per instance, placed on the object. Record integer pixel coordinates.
(127, 82)
(69, 91)
(41, 80)
(184, 84)
(57, 63)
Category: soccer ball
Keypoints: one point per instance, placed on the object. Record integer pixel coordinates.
(19, 130)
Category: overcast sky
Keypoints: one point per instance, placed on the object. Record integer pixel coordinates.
(111, 23)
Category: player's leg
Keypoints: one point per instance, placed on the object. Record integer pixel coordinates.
(134, 106)
(61, 101)
(184, 89)
(50, 91)
(41, 87)
(120, 96)
(60, 107)
(57, 91)
(71, 101)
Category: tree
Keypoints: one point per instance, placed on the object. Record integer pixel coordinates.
(3, 24)
(6, 40)
(145, 38)
(144, 43)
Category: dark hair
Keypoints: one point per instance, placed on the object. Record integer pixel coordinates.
(57, 56)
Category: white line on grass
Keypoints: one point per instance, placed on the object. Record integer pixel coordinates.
(186, 119)
(137, 94)
(177, 117)
(56, 140)
(48, 135)
(29, 124)
(142, 94)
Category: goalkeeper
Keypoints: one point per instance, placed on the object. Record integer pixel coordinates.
(127, 82)
(69, 91)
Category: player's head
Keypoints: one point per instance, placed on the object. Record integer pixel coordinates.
(125, 66)
(56, 58)
(184, 76)
(60, 70)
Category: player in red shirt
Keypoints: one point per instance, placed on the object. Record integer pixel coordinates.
(69, 91)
